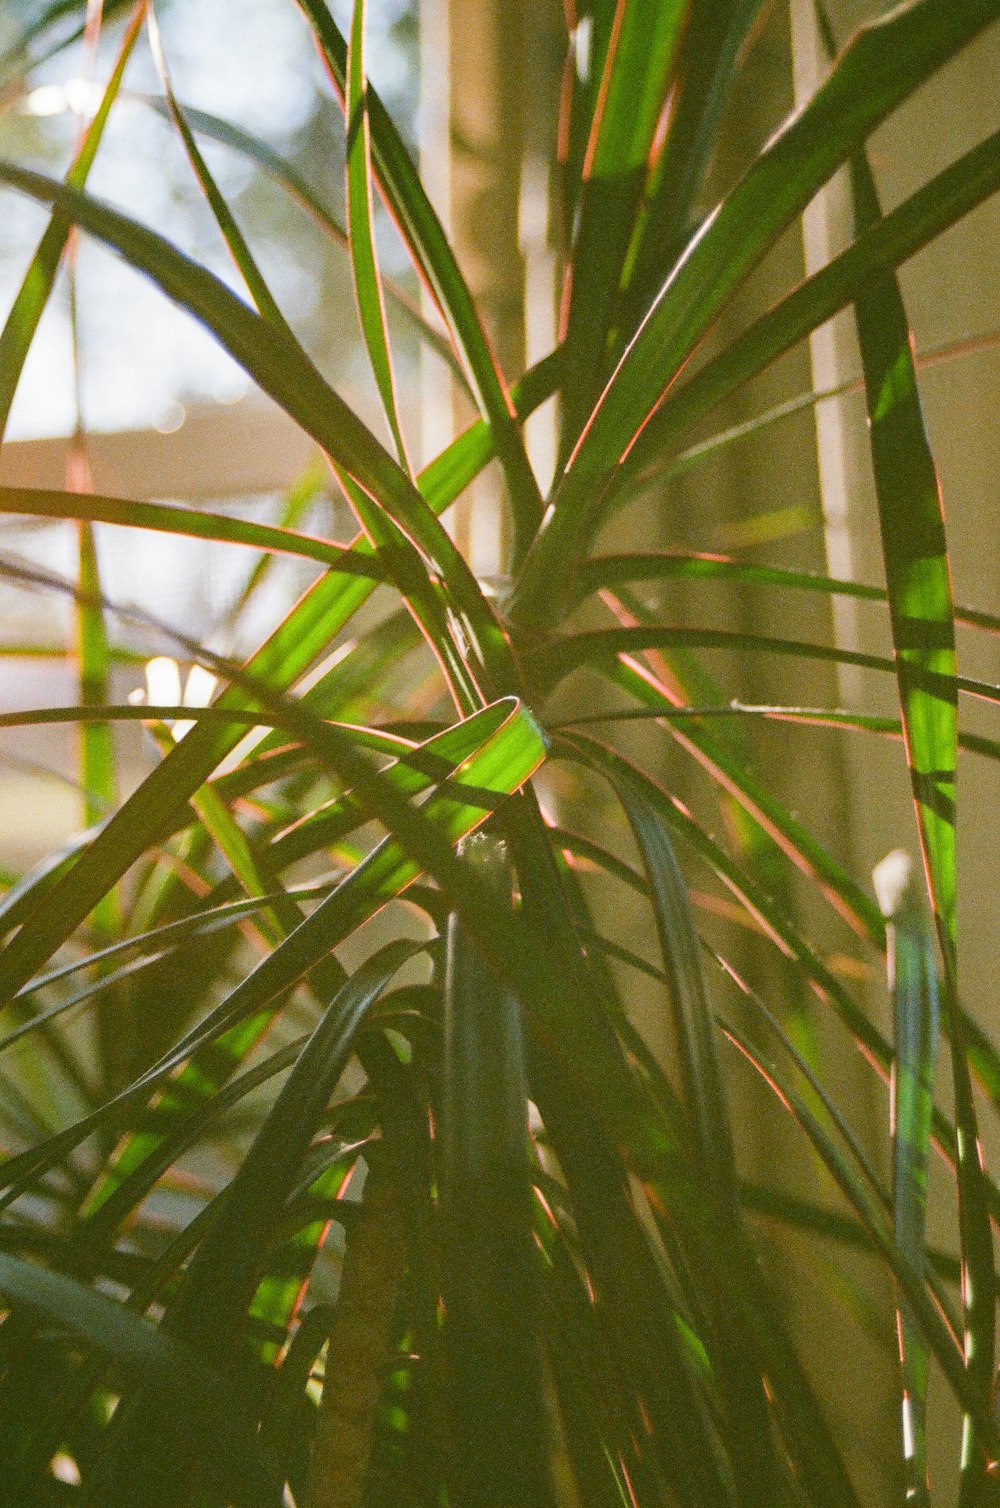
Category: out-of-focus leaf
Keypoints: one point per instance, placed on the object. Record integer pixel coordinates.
(913, 980)
(500, 749)
(829, 1224)
(911, 1283)
(288, 1395)
(280, 659)
(281, 367)
(770, 917)
(220, 1280)
(271, 162)
(97, 755)
(752, 1331)
(388, 539)
(199, 1399)
(234, 238)
(22, 50)
(591, 25)
(294, 645)
(359, 1349)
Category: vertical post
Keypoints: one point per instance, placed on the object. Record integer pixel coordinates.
(823, 228)
(488, 178)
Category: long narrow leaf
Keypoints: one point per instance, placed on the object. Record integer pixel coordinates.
(891, 57)
(709, 52)
(913, 980)
(489, 1276)
(638, 67)
(234, 238)
(682, 565)
(361, 230)
(283, 370)
(286, 176)
(921, 612)
(898, 236)
(707, 1109)
(288, 651)
(930, 1321)
(33, 295)
(200, 1399)
(436, 263)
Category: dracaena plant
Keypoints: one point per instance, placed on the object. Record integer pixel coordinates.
(447, 1225)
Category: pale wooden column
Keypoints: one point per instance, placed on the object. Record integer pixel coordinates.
(489, 82)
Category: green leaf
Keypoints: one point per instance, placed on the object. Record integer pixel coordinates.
(200, 1401)
(682, 565)
(291, 649)
(288, 1395)
(279, 661)
(637, 71)
(921, 613)
(917, 570)
(952, 193)
(97, 751)
(913, 980)
(821, 717)
(910, 1281)
(693, 1026)
(221, 1278)
(773, 919)
(744, 887)
(193, 523)
(488, 1267)
(708, 1113)
(749, 1320)
(282, 369)
(361, 231)
(22, 321)
(898, 236)
(285, 175)
(829, 1224)
(706, 67)
(435, 261)
(590, 27)
(233, 236)
(477, 763)
(603, 645)
(593, 1412)
(47, 19)
(882, 66)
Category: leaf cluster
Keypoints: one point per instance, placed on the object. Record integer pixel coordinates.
(366, 1069)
